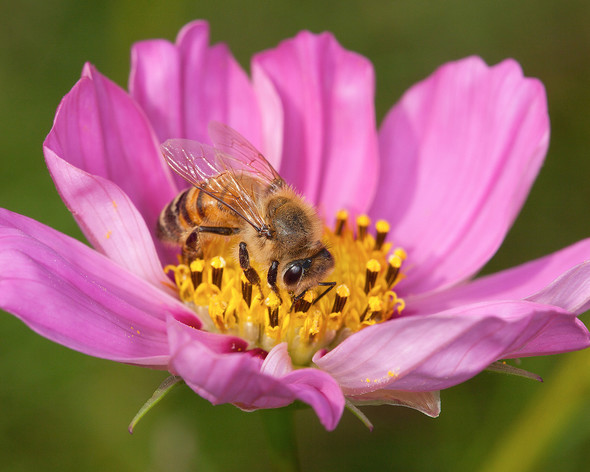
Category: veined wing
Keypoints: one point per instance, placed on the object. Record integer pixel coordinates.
(226, 178)
(247, 157)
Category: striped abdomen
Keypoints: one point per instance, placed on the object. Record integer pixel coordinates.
(190, 209)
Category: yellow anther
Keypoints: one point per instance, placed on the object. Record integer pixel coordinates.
(373, 265)
(398, 251)
(395, 261)
(342, 215)
(382, 226)
(198, 265)
(218, 262)
(343, 291)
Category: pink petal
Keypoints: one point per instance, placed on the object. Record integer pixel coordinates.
(230, 376)
(72, 295)
(560, 334)
(108, 219)
(100, 130)
(547, 275)
(433, 352)
(425, 402)
(183, 87)
(459, 155)
(272, 116)
(571, 291)
(155, 84)
(330, 145)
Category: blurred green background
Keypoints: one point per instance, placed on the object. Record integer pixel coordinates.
(60, 410)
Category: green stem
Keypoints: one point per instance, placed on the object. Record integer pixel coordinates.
(280, 432)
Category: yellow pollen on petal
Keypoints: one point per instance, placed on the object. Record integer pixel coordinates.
(366, 273)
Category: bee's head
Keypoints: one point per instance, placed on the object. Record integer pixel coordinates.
(302, 274)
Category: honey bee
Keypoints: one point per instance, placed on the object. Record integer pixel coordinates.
(237, 194)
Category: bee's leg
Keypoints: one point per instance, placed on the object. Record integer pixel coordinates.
(273, 272)
(330, 286)
(193, 249)
(219, 230)
(249, 271)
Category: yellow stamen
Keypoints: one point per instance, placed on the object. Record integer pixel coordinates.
(362, 223)
(197, 266)
(273, 303)
(382, 228)
(341, 218)
(304, 303)
(217, 266)
(373, 310)
(395, 262)
(366, 272)
(373, 268)
(342, 294)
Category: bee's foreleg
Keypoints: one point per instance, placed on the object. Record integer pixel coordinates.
(330, 286)
(249, 271)
(296, 298)
(273, 272)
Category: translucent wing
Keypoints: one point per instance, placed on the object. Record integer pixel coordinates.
(232, 143)
(233, 172)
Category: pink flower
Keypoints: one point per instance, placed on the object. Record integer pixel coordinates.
(449, 169)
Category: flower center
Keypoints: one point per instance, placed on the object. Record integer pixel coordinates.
(366, 272)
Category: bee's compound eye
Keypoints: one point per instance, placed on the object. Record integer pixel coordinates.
(293, 274)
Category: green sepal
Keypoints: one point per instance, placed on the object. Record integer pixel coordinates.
(359, 414)
(503, 368)
(165, 387)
